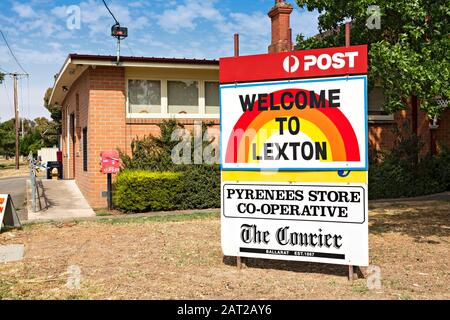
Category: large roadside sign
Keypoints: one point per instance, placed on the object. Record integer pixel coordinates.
(294, 155)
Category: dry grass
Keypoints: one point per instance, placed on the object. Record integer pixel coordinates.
(180, 258)
(7, 169)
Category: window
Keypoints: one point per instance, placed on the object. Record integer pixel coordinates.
(212, 97)
(85, 150)
(144, 96)
(376, 102)
(183, 97)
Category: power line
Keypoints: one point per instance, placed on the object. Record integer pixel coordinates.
(28, 97)
(12, 53)
(129, 48)
(7, 94)
(110, 12)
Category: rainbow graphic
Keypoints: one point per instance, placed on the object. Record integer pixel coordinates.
(319, 124)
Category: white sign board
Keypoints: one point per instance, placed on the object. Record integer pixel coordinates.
(315, 222)
(307, 124)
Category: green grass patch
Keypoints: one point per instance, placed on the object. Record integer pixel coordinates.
(4, 166)
(164, 218)
(360, 287)
(103, 214)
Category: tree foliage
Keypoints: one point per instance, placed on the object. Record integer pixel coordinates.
(55, 111)
(408, 55)
(7, 138)
(37, 134)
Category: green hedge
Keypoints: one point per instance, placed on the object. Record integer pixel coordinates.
(194, 187)
(141, 191)
(200, 187)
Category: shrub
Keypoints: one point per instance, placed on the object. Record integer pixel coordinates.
(139, 185)
(403, 173)
(198, 187)
(140, 191)
(152, 152)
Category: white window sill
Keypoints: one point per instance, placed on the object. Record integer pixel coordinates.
(381, 118)
(171, 116)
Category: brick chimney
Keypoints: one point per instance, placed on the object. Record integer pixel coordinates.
(281, 33)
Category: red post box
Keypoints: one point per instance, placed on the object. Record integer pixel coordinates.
(110, 161)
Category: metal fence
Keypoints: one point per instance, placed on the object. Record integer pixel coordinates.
(35, 166)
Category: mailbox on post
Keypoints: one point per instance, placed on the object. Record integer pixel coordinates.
(110, 162)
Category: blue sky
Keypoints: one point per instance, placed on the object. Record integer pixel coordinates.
(38, 33)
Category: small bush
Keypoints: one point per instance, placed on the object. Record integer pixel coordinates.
(403, 173)
(197, 187)
(200, 187)
(140, 187)
(141, 191)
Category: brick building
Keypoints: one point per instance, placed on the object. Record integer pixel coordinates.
(105, 105)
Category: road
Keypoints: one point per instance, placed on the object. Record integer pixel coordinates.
(15, 186)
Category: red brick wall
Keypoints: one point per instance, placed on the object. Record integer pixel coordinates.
(107, 124)
(101, 93)
(77, 102)
(280, 16)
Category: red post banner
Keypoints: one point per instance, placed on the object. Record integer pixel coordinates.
(295, 64)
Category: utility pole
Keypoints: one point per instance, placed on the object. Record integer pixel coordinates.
(16, 111)
(15, 75)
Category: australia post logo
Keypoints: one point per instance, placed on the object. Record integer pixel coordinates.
(295, 64)
(324, 61)
(291, 64)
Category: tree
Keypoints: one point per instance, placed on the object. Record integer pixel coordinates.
(55, 111)
(2, 76)
(38, 134)
(47, 130)
(31, 141)
(408, 55)
(7, 138)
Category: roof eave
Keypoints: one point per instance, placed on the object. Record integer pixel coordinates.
(55, 84)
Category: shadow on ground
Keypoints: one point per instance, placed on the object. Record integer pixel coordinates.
(417, 220)
(294, 266)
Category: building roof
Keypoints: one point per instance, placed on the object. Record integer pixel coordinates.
(76, 64)
(75, 56)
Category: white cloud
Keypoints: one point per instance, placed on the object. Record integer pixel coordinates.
(24, 11)
(96, 18)
(185, 16)
(256, 24)
(60, 12)
(305, 23)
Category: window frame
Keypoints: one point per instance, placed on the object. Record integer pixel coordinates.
(85, 143)
(128, 96)
(377, 117)
(165, 101)
(218, 94)
(199, 106)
